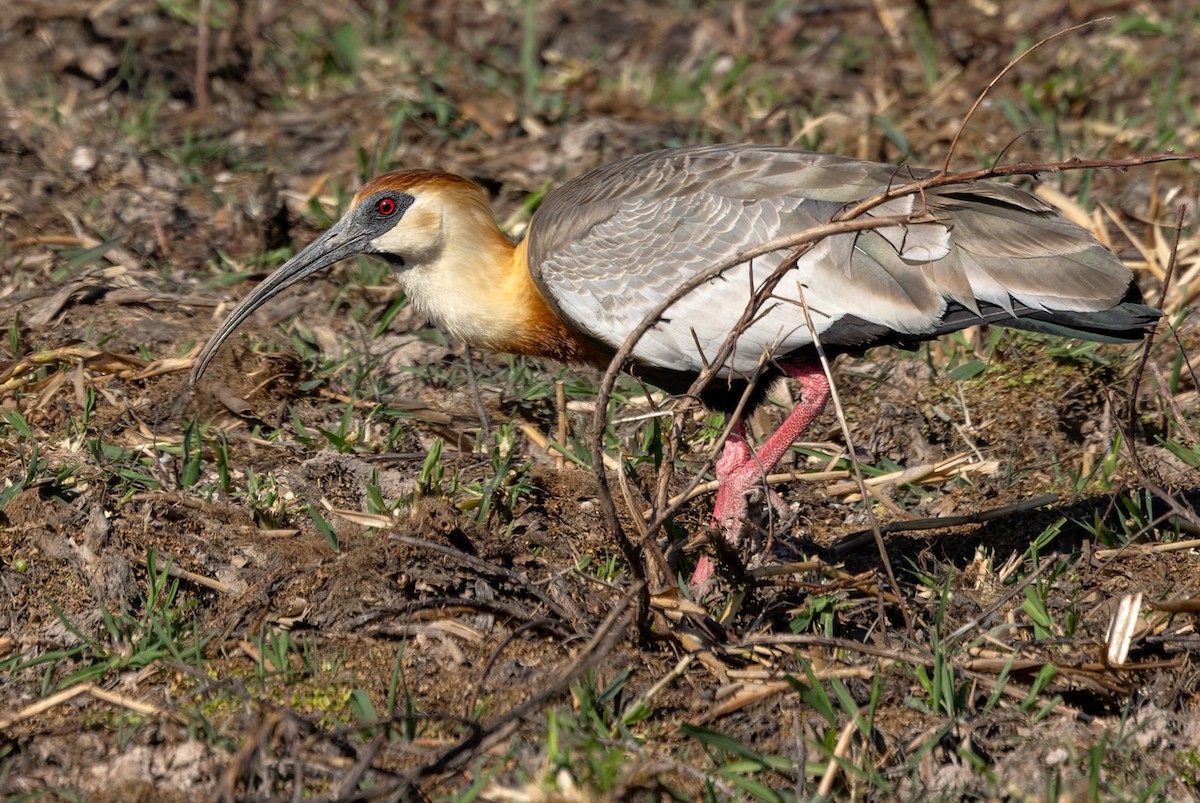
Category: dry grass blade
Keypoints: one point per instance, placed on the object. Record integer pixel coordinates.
(192, 577)
(839, 754)
(376, 520)
(953, 467)
(1121, 629)
(1133, 550)
(7, 721)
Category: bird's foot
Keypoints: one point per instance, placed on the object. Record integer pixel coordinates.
(741, 488)
(741, 485)
(741, 472)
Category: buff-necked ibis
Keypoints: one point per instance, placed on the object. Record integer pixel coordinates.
(603, 250)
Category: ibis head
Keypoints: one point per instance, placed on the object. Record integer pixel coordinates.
(437, 232)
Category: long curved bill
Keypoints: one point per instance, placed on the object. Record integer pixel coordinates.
(339, 242)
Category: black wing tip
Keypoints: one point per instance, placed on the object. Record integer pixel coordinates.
(1126, 322)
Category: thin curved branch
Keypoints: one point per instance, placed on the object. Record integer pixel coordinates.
(997, 78)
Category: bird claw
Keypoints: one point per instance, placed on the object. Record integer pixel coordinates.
(731, 517)
(781, 507)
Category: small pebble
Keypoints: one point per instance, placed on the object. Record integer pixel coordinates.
(1056, 757)
(84, 159)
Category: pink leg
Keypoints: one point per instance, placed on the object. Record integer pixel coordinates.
(739, 469)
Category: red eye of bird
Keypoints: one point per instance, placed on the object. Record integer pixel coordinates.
(386, 207)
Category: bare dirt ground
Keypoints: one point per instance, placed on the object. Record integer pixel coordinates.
(343, 570)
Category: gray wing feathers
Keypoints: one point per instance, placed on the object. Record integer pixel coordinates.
(607, 248)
